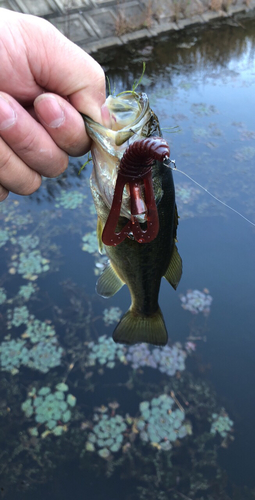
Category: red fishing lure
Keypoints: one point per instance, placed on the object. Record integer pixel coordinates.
(135, 169)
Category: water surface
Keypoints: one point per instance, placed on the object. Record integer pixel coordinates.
(201, 86)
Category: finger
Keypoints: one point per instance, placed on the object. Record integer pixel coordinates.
(29, 140)
(3, 193)
(44, 59)
(15, 176)
(64, 124)
(82, 78)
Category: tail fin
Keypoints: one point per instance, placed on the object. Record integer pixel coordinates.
(134, 328)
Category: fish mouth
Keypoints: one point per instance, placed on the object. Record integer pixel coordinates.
(128, 115)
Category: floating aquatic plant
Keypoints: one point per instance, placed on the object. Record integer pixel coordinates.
(245, 154)
(18, 316)
(200, 133)
(185, 193)
(12, 354)
(22, 220)
(159, 424)
(4, 236)
(247, 135)
(92, 209)
(167, 359)
(51, 409)
(221, 423)
(42, 356)
(140, 355)
(31, 264)
(106, 436)
(45, 355)
(90, 242)
(170, 359)
(28, 242)
(111, 315)
(26, 291)
(5, 207)
(196, 302)
(203, 109)
(70, 200)
(38, 330)
(3, 295)
(10, 209)
(105, 352)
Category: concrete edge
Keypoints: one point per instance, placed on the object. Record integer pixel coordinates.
(163, 28)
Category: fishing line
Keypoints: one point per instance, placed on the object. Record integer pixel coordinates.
(175, 169)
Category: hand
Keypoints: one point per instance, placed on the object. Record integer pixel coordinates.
(44, 80)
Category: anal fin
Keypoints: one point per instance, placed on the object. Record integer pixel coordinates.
(108, 283)
(174, 271)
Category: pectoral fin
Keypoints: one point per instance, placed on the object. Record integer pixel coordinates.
(174, 270)
(99, 235)
(109, 283)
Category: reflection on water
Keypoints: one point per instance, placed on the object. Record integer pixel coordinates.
(174, 422)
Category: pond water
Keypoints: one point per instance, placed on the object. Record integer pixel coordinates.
(84, 418)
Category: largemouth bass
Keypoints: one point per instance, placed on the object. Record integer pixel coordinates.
(134, 196)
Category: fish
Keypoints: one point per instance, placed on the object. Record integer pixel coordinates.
(133, 191)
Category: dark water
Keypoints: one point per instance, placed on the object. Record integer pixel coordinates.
(201, 82)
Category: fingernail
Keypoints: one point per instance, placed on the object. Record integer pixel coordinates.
(49, 111)
(7, 114)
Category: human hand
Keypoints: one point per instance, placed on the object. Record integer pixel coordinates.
(44, 80)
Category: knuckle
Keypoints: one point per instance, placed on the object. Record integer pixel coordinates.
(15, 175)
(27, 145)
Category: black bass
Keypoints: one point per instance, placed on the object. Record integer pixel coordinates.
(134, 196)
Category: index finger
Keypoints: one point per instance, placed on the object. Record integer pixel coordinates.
(78, 76)
(58, 65)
